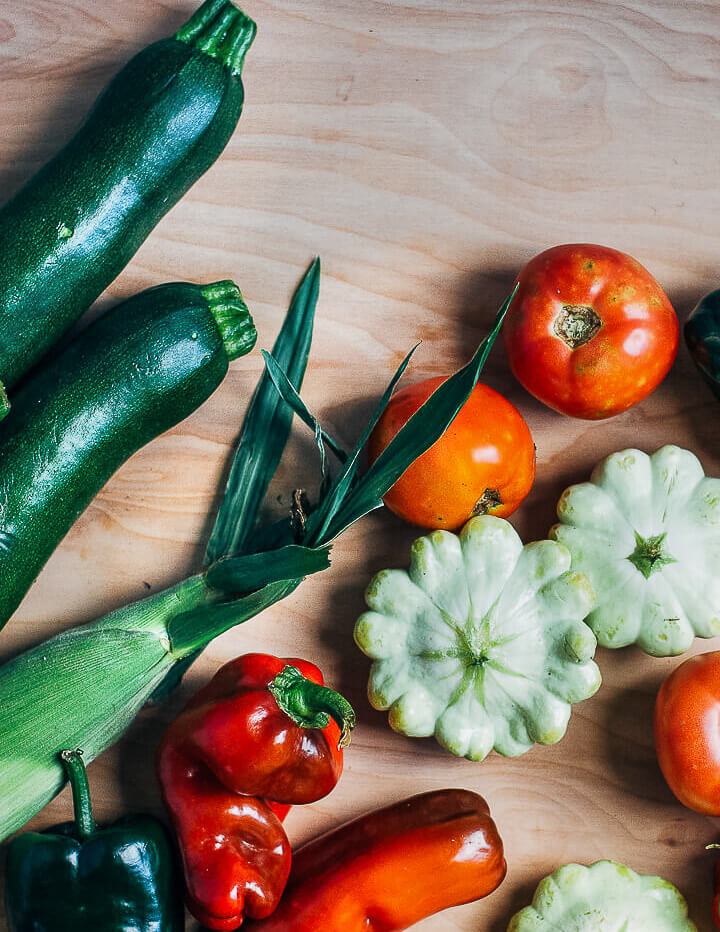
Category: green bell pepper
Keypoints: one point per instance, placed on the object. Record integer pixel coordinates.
(702, 335)
(79, 877)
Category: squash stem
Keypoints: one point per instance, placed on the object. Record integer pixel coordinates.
(220, 30)
(650, 554)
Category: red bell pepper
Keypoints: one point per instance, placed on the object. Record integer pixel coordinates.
(389, 869)
(263, 735)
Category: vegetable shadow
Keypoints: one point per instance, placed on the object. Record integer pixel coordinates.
(699, 896)
(135, 753)
(686, 388)
(481, 290)
(517, 896)
(628, 721)
(479, 295)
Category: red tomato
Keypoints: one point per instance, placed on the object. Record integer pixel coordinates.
(483, 464)
(687, 732)
(590, 332)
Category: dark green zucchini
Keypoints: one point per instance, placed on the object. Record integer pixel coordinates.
(132, 374)
(161, 122)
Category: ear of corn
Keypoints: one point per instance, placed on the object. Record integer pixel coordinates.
(81, 688)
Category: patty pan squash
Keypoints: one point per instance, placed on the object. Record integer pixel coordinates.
(606, 896)
(481, 642)
(646, 532)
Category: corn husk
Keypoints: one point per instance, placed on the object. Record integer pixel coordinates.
(81, 688)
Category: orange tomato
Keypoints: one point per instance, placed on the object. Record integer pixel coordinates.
(687, 732)
(483, 464)
(590, 332)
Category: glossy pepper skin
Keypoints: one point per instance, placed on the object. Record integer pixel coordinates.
(702, 335)
(78, 877)
(256, 740)
(391, 868)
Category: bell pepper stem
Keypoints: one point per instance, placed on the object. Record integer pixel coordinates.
(311, 705)
(77, 775)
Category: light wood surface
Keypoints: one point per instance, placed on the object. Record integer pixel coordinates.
(425, 150)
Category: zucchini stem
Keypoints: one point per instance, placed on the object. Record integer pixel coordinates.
(220, 30)
(232, 317)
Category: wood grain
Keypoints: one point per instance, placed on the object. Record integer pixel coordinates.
(425, 150)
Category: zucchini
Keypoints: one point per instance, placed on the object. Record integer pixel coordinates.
(157, 127)
(129, 376)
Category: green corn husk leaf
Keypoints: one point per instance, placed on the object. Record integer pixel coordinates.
(266, 428)
(194, 630)
(272, 536)
(69, 697)
(253, 571)
(320, 520)
(421, 431)
(289, 395)
(338, 490)
(82, 688)
(263, 437)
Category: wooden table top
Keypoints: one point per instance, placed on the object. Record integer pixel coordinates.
(425, 151)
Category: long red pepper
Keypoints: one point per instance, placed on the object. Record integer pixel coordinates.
(389, 869)
(263, 735)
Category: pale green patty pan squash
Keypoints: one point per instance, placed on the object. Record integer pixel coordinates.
(481, 642)
(646, 532)
(605, 897)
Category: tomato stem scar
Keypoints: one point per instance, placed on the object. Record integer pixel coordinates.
(576, 325)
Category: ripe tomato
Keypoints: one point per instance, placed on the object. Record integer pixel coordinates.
(483, 464)
(687, 732)
(590, 332)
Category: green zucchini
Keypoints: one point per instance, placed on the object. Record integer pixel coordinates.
(157, 127)
(129, 376)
